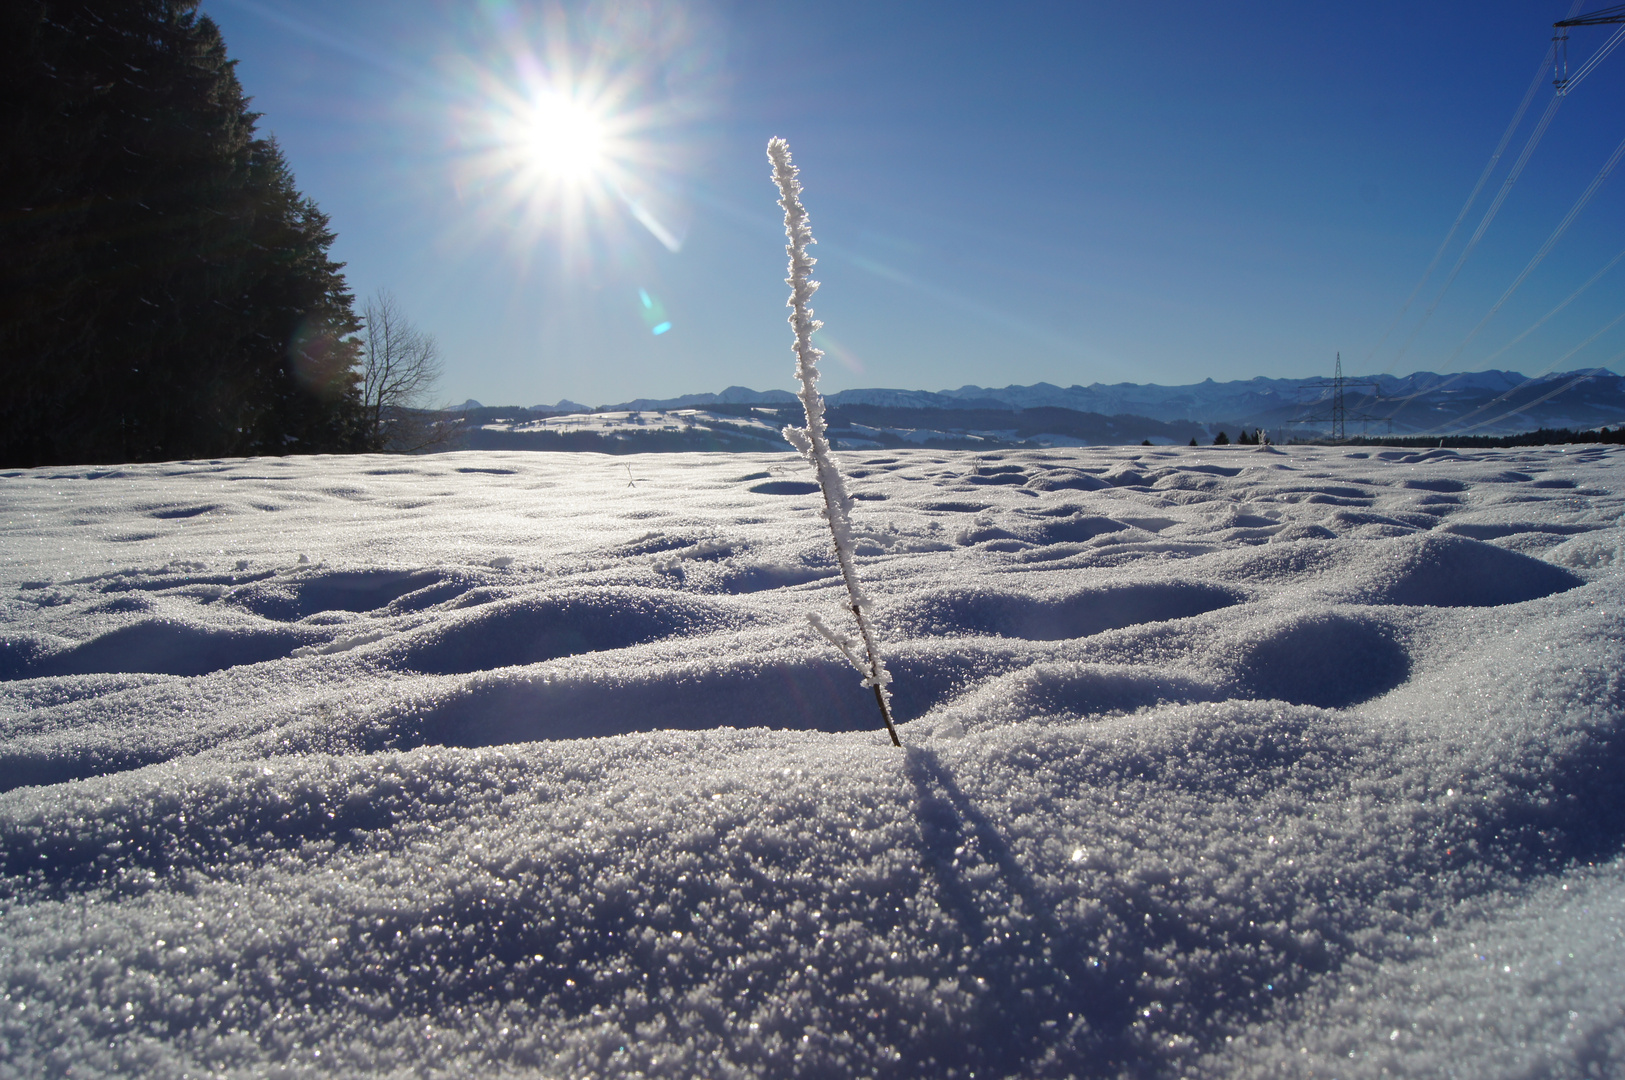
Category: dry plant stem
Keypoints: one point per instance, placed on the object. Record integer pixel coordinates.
(885, 714)
(813, 440)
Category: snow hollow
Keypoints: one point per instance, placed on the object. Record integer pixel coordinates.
(1218, 762)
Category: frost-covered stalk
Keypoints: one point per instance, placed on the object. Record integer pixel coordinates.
(813, 440)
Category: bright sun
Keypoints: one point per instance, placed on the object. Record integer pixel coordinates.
(565, 139)
(575, 140)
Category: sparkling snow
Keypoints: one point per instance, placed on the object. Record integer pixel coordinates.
(1219, 762)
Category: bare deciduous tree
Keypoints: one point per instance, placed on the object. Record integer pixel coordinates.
(400, 366)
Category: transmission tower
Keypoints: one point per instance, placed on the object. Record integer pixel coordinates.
(1560, 43)
(1338, 414)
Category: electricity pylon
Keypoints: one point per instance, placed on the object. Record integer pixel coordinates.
(1339, 414)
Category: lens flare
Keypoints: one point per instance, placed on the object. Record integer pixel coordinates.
(574, 124)
(831, 347)
(653, 313)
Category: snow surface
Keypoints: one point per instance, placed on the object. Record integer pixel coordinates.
(606, 423)
(1220, 762)
(740, 433)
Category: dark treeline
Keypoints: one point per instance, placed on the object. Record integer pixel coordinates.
(1539, 437)
(165, 290)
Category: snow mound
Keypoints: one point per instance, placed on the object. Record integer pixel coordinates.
(1218, 763)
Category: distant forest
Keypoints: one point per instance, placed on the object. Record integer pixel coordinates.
(165, 289)
(1539, 437)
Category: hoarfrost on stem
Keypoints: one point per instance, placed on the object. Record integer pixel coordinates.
(813, 440)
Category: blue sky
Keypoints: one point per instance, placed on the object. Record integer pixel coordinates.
(1072, 193)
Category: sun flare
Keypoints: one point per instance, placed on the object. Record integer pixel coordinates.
(571, 130)
(565, 139)
(553, 152)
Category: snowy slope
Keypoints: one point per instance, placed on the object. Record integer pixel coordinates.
(1207, 400)
(1483, 402)
(1219, 762)
(759, 428)
(1238, 398)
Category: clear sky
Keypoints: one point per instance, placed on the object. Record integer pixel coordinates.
(1003, 193)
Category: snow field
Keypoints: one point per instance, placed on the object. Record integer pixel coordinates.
(1218, 762)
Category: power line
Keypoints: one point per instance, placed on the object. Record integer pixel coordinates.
(1565, 83)
(1567, 300)
(1530, 381)
(1557, 54)
(1545, 249)
(1600, 17)
(1484, 223)
(1483, 177)
(1577, 380)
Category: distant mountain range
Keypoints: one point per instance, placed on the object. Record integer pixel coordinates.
(1478, 403)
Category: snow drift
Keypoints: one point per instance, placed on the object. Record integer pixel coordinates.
(1232, 762)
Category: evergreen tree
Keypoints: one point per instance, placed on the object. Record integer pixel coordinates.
(165, 290)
